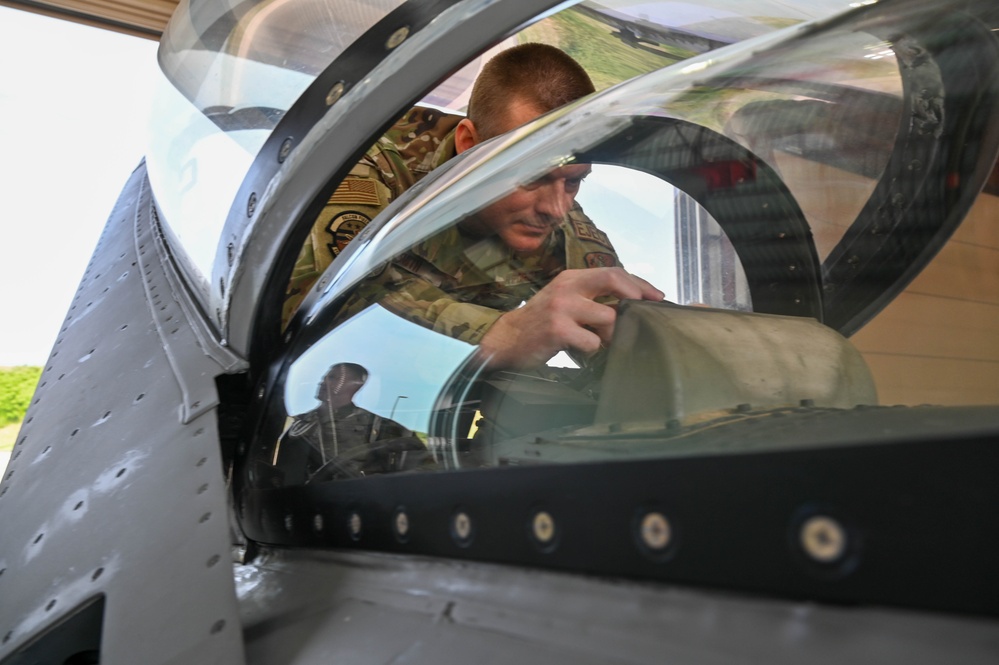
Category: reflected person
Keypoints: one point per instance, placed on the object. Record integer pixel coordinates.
(351, 441)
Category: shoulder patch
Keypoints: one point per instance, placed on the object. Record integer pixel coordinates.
(600, 260)
(585, 230)
(356, 191)
(342, 229)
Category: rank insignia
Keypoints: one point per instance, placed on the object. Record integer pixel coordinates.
(600, 260)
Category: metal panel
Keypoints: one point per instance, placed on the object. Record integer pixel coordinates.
(116, 486)
(308, 607)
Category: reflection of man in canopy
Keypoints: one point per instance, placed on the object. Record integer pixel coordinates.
(469, 280)
(350, 441)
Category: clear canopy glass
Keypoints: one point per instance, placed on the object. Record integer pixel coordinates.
(784, 163)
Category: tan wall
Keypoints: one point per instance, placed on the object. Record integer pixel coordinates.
(938, 342)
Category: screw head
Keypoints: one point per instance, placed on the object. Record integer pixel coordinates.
(354, 525)
(401, 525)
(543, 527)
(655, 531)
(397, 38)
(461, 528)
(823, 538)
(285, 150)
(251, 205)
(335, 93)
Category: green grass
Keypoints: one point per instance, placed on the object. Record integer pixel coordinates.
(606, 58)
(8, 436)
(17, 385)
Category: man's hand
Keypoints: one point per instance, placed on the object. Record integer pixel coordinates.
(563, 315)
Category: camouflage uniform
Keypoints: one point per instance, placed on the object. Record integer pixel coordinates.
(419, 142)
(459, 285)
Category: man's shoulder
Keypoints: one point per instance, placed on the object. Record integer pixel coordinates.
(418, 135)
(586, 245)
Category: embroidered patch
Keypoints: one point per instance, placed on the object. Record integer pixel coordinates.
(356, 191)
(343, 228)
(600, 260)
(586, 231)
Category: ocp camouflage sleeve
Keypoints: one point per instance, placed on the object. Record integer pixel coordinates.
(417, 300)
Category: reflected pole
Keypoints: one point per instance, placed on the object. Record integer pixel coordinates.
(395, 404)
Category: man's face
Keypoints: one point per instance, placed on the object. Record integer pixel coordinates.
(525, 218)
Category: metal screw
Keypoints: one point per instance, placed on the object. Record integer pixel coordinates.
(401, 524)
(335, 93)
(655, 531)
(251, 205)
(462, 526)
(543, 527)
(823, 538)
(317, 523)
(398, 37)
(354, 524)
(285, 150)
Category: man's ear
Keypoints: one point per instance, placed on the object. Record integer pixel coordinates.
(465, 136)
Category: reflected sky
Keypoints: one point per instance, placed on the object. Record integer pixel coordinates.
(407, 366)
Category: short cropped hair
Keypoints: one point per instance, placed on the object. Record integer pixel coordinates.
(539, 74)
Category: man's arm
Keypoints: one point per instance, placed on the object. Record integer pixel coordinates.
(564, 315)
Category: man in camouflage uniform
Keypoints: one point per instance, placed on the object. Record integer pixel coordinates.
(470, 280)
(419, 142)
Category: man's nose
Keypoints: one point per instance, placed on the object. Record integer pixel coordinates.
(553, 201)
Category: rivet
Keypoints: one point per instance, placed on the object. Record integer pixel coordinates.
(401, 525)
(543, 527)
(335, 93)
(655, 531)
(97, 573)
(218, 626)
(823, 538)
(807, 402)
(317, 523)
(285, 150)
(461, 528)
(213, 560)
(744, 408)
(398, 37)
(251, 205)
(354, 525)
(50, 605)
(289, 523)
(204, 518)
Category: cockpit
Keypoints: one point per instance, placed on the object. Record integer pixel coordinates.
(816, 206)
